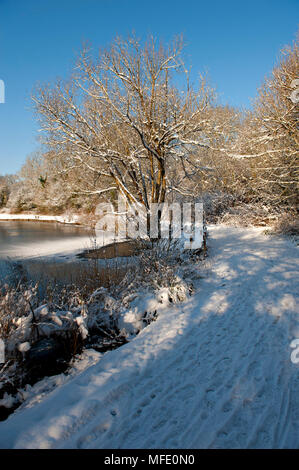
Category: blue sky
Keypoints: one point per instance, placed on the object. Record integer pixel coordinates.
(237, 42)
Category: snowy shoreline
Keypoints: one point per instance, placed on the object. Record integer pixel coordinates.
(62, 219)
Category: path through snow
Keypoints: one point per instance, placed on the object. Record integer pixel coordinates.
(213, 372)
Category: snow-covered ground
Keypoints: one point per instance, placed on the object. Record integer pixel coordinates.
(212, 372)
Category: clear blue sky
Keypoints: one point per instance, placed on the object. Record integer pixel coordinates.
(237, 41)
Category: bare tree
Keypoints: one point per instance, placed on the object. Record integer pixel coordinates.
(6, 186)
(120, 121)
(269, 137)
(209, 167)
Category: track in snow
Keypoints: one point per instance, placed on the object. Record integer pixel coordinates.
(213, 372)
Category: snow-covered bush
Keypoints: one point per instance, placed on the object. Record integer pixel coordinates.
(287, 224)
(159, 276)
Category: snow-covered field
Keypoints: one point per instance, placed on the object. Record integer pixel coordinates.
(212, 372)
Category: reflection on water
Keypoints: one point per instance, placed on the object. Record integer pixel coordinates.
(85, 272)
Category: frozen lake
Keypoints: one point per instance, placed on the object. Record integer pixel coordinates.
(45, 248)
(20, 239)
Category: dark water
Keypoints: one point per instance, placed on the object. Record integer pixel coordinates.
(43, 248)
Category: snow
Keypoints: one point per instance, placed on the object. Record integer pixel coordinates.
(7, 401)
(131, 320)
(63, 219)
(24, 347)
(31, 395)
(212, 372)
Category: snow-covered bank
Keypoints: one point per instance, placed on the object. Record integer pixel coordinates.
(36, 393)
(214, 371)
(63, 219)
